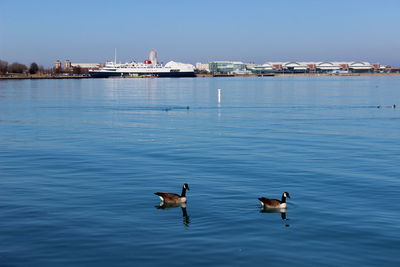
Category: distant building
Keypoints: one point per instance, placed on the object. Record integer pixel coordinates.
(385, 68)
(57, 65)
(227, 67)
(203, 67)
(327, 67)
(67, 65)
(77, 68)
(261, 69)
(86, 65)
(393, 70)
(316, 67)
(295, 67)
(359, 67)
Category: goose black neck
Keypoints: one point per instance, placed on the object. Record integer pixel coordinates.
(283, 199)
(183, 192)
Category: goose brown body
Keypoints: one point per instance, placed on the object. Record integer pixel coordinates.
(172, 197)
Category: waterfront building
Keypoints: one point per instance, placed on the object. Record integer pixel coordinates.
(86, 65)
(328, 67)
(360, 67)
(312, 67)
(390, 69)
(295, 67)
(385, 68)
(378, 68)
(67, 65)
(261, 69)
(236, 67)
(57, 65)
(202, 67)
(277, 66)
(287, 67)
(227, 67)
(321, 67)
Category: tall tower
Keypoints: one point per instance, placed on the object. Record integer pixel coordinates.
(57, 65)
(153, 57)
(67, 65)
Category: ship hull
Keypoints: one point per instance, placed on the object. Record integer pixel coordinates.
(108, 74)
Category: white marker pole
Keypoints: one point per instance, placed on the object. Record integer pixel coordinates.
(219, 95)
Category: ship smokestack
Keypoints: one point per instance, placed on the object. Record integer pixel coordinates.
(153, 57)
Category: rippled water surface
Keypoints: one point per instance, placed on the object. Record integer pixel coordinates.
(81, 159)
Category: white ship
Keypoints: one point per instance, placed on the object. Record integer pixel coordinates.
(149, 68)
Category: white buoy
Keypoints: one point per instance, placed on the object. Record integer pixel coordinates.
(219, 95)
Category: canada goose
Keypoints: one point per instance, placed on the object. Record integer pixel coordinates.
(173, 198)
(274, 203)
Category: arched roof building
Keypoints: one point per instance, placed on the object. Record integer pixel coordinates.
(295, 67)
(360, 67)
(327, 66)
(261, 69)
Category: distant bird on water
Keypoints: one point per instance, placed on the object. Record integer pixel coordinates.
(274, 203)
(172, 197)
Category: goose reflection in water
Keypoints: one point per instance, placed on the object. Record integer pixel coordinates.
(282, 211)
(185, 216)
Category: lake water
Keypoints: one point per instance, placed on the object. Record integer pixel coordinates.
(81, 159)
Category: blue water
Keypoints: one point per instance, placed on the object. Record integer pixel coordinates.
(81, 159)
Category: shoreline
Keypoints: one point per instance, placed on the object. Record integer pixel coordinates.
(50, 76)
(40, 76)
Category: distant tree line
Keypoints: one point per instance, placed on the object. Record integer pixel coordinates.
(17, 67)
(34, 68)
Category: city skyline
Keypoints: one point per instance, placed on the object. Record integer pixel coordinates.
(191, 32)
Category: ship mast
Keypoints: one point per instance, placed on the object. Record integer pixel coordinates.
(115, 55)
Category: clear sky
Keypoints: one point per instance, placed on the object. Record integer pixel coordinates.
(200, 31)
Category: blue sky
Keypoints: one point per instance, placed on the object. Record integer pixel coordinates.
(200, 31)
